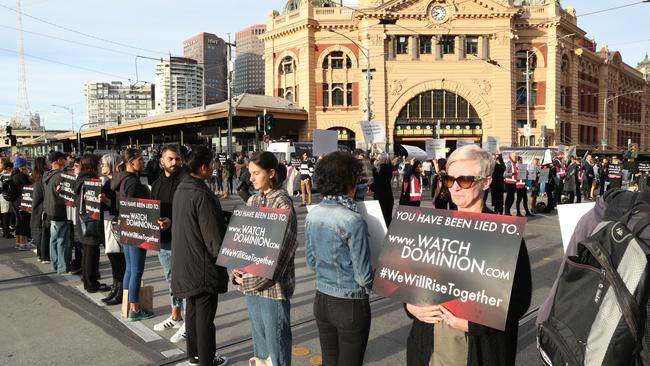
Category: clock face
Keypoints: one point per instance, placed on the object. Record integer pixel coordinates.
(438, 13)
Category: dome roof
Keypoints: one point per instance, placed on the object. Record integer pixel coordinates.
(293, 5)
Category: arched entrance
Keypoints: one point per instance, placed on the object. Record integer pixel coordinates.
(346, 137)
(437, 114)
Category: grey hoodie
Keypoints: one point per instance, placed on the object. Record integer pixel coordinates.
(53, 204)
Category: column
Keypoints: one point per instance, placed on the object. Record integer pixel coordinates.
(459, 44)
(414, 47)
(483, 47)
(437, 52)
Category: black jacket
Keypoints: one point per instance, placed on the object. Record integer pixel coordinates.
(486, 346)
(78, 234)
(163, 189)
(53, 204)
(36, 221)
(127, 184)
(198, 229)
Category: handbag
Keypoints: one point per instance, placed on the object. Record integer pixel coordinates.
(89, 228)
(111, 240)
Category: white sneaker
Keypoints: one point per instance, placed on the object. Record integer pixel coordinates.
(167, 324)
(179, 336)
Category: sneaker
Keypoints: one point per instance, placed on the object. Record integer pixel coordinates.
(45, 262)
(219, 360)
(167, 323)
(22, 247)
(180, 335)
(142, 314)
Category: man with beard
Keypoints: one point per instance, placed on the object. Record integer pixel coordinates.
(163, 189)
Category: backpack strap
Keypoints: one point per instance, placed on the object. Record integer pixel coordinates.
(643, 223)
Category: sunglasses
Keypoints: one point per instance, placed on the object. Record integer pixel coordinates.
(464, 181)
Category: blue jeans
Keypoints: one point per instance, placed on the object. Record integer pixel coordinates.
(165, 258)
(135, 258)
(60, 246)
(271, 329)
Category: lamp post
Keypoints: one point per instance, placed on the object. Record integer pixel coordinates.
(368, 71)
(603, 141)
(69, 109)
(79, 137)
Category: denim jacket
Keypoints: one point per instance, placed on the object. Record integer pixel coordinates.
(336, 246)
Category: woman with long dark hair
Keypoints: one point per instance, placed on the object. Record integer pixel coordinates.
(496, 187)
(268, 300)
(126, 183)
(20, 178)
(88, 169)
(108, 197)
(381, 186)
(440, 192)
(40, 232)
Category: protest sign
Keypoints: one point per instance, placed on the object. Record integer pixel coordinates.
(373, 132)
(139, 223)
(254, 239)
(492, 145)
(543, 175)
(569, 215)
(91, 204)
(532, 172)
(522, 171)
(464, 261)
(325, 142)
(415, 152)
(66, 190)
(26, 199)
(295, 162)
(644, 167)
(372, 214)
(462, 142)
(614, 169)
(436, 149)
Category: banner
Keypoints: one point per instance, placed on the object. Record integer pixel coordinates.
(66, 192)
(26, 200)
(325, 142)
(139, 223)
(373, 132)
(644, 167)
(91, 204)
(415, 152)
(436, 149)
(464, 261)
(253, 240)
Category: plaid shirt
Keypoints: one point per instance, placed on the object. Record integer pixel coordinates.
(282, 285)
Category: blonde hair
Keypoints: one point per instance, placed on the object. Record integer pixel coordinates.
(473, 152)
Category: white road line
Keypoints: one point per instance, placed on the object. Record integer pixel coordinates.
(172, 352)
(138, 328)
(96, 297)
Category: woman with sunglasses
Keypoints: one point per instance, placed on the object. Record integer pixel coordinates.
(437, 336)
(126, 183)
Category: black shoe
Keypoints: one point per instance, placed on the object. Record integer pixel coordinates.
(528, 214)
(519, 215)
(117, 299)
(111, 294)
(103, 288)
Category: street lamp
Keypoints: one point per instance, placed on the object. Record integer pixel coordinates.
(603, 141)
(69, 109)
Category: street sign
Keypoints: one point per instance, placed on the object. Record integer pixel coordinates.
(603, 142)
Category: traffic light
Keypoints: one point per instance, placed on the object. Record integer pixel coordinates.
(268, 123)
(634, 150)
(259, 126)
(8, 131)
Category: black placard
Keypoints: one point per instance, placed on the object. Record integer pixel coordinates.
(644, 166)
(26, 199)
(254, 239)
(464, 261)
(91, 203)
(139, 223)
(66, 190)
(614, 169)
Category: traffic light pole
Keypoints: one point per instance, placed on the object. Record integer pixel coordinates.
(230, 92)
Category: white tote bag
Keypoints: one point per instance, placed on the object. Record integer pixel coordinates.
(112, 242)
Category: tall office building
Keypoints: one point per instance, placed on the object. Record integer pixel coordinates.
(210, 52)
(180, 84)
(114, 102)
(249, 65)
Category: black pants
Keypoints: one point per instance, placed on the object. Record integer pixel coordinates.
(90, 267)
(6, 223)
(199, 323)
(571, 196)
(343, 328)
(579, 192)
(45, 241)
(522, 195)
(118, 266)
(510, 197)
(559, 189)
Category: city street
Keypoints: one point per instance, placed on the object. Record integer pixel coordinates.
(50, 320)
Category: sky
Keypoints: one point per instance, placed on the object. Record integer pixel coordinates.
(57, 70)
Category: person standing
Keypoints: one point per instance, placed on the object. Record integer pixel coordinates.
(268, 300)
(6, 167)
(427, 168)
(198, 228)
(20, 178)
(306, 172)
(163, 189)
(88, 169)
(412, 185)
(343, 272)
(440, 193)
(570, 177)
(534, 184)
(126, 183)
(615, 176)
(510, 179)
(588, 177)
(496, 187)
(382, 189)
(522, 193)
(366, 177)
(560, 175)
(55, 211)
(40, 232)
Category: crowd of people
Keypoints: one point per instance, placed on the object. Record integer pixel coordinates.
(189, 182)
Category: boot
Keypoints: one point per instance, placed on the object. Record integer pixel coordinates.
(111, 294)
(117, 299)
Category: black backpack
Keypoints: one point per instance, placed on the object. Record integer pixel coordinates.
(599, 311)
(10, 191)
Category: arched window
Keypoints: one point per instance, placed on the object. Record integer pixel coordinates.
(287, 66)
(337, 60)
